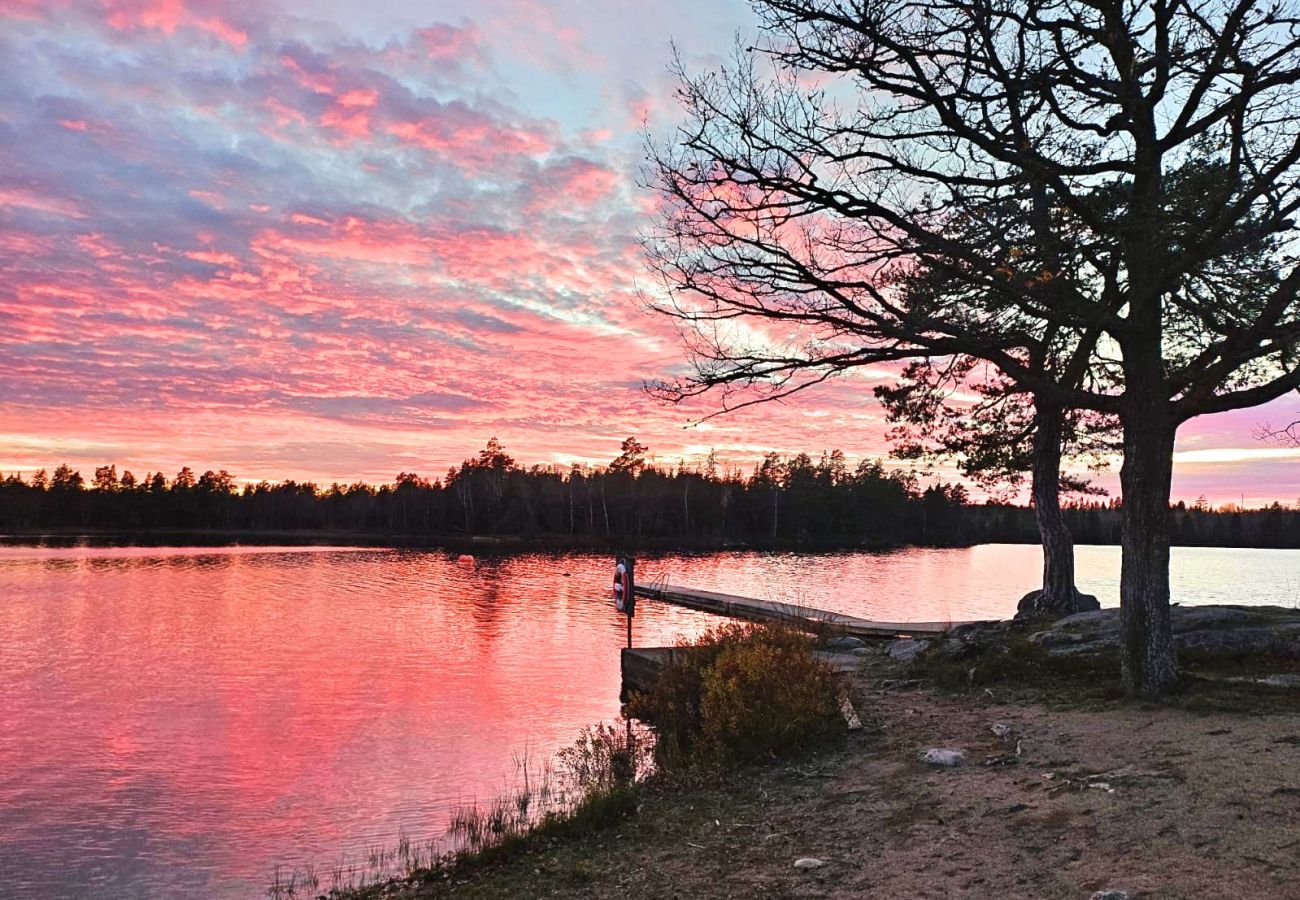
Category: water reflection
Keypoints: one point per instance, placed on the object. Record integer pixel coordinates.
(177, 722)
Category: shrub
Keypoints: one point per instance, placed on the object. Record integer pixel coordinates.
(739, 693)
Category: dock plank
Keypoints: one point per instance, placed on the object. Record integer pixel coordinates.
(755, 610)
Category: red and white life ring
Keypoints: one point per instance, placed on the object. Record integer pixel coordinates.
(623, 599)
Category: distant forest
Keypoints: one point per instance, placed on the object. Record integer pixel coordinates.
(783, 501)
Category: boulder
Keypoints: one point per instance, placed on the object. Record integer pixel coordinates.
(906, 649)
(1213, 640)
(1030, 606)
(955, 648)
(1195, 618)
(844, 643)
(1101, 618)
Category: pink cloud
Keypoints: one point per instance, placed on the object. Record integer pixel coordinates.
(235, 37)
(574, 183)
(359, 97)
(284, 114)
(126, 15)
(449, 42)
(469, 136)
(167, 16)
(348, 121)
(15, 196)
(216, 259)
(319, 82)
(97, 245)
(389, 242)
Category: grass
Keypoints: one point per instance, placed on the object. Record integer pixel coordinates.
(586, 787)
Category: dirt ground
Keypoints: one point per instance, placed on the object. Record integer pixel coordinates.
(1161, 802)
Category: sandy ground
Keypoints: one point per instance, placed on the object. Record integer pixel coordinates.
(1161, 802)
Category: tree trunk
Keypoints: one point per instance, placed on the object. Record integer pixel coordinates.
(1058, 595)
(1147, 657)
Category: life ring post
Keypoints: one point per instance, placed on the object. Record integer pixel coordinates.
(625, 590)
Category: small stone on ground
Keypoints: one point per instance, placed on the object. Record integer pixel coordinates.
(942, 756)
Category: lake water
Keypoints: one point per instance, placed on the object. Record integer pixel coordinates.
(177, 722)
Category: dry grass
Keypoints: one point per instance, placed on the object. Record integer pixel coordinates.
(740, 693)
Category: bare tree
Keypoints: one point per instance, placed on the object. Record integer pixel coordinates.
(1105, 184)
(1288, 434)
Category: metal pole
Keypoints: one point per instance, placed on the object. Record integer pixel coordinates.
(630, 602)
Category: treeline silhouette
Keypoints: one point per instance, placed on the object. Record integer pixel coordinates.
(793, 500)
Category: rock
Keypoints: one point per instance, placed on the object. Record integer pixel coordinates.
(1112, 894)
(844, 642)
(1233, 639)
(809, 862)
(1102, 617)
(1030, 606)
(1194, 618)
(1055, 638)
(851, 720)
(976, 630)
(1090, 648)
(953, 648)
(906, 650)
(1001, 729)
(943, 756)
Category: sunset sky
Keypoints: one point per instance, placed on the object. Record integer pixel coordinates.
(338, 240)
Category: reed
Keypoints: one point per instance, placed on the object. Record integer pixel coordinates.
(583, 787)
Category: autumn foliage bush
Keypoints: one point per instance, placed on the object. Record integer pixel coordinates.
(739, 693)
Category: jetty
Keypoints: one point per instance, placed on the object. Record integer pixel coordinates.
(802, 617)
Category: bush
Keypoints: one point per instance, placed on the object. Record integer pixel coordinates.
(740, 693)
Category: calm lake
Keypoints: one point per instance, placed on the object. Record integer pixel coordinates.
(177, 722)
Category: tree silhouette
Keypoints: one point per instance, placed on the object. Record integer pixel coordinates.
(631, 458)
(995, 437)
(795, 501)
(1092, 189)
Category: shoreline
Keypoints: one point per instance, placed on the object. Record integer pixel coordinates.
(1065, 791)
(199, 537)
(546, 543)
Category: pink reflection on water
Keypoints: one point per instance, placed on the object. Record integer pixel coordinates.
(180, 721)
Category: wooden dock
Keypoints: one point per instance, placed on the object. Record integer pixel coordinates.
(804, 617)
